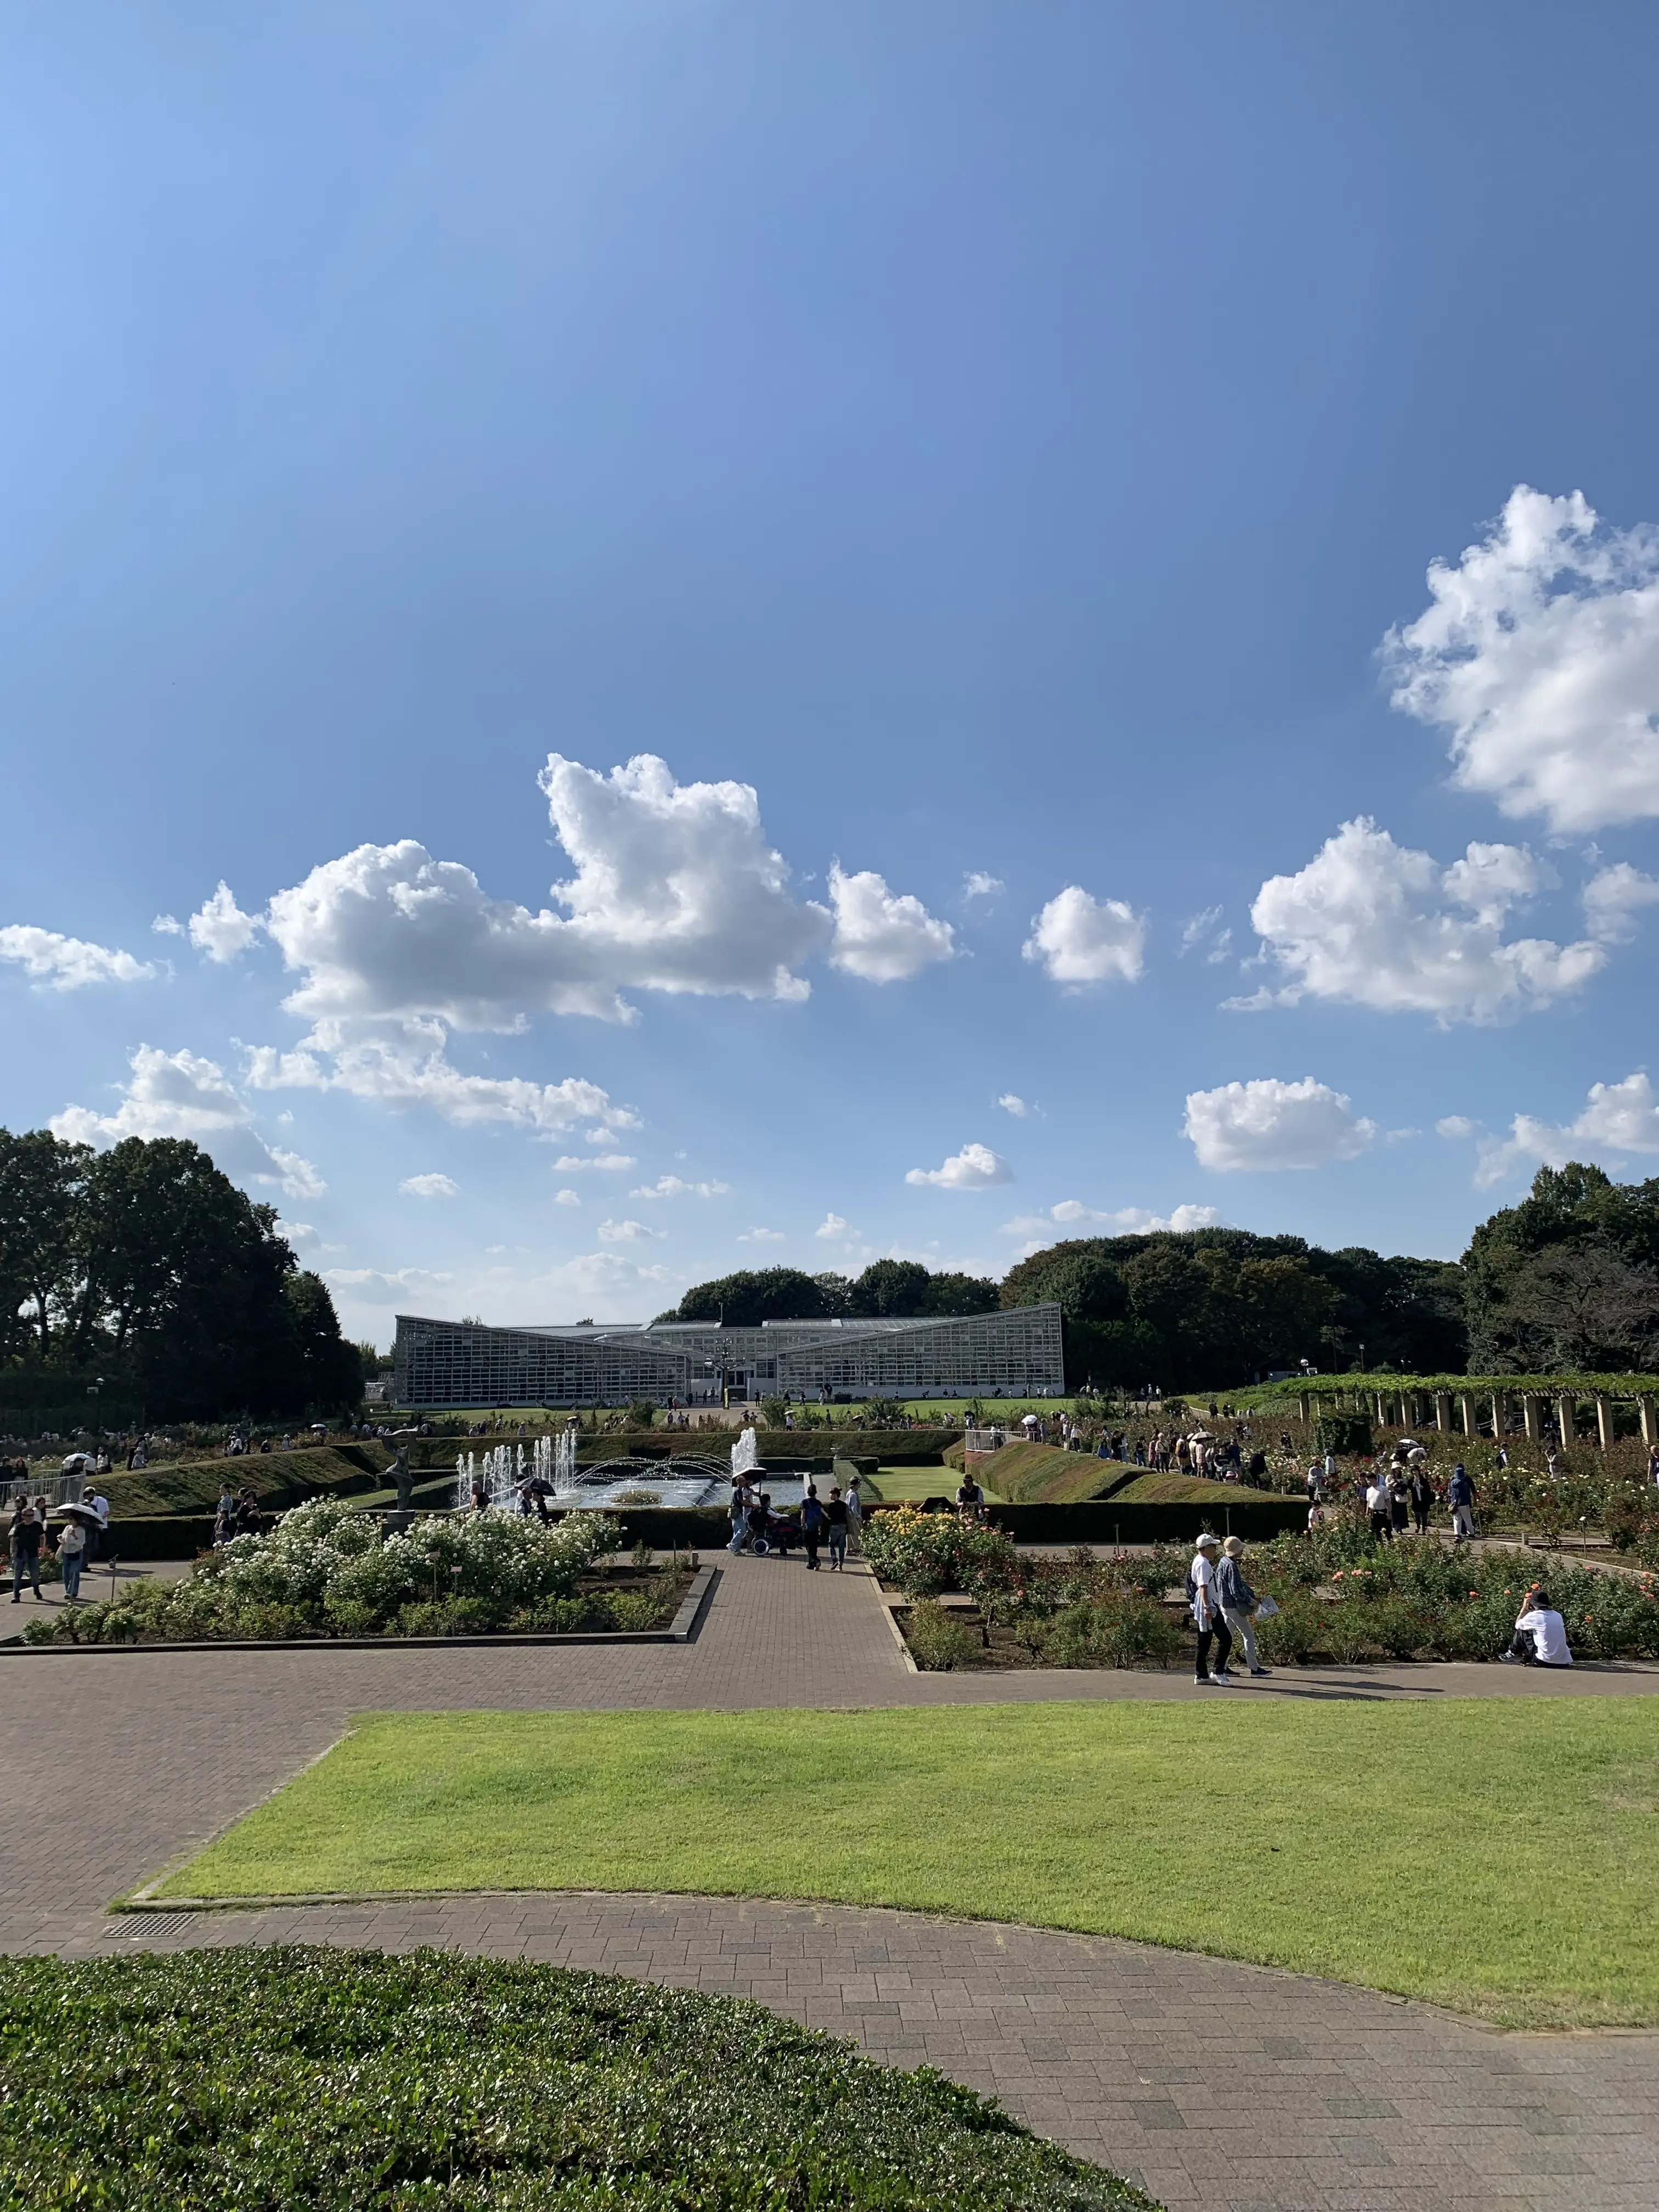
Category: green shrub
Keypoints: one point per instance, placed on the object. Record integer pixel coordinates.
(939, 1641)
(1347, 1435)
(633, 1611)
(327, 1570)
(1128, 1630)
(926, 1553)
(361, 2081)
(1292, 1636)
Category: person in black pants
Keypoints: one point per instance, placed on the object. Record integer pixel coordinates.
(1422, 1494)
(1206, 1615)
(812, 1524)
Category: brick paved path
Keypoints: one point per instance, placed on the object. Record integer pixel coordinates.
(1221, 2085)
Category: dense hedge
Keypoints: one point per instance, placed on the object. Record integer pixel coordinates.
(299, 2076)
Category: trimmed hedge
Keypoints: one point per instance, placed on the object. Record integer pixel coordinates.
(159, 1536)
(362, 2082)
(1252, 1515)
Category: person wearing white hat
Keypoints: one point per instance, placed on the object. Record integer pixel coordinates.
(1206, 1600)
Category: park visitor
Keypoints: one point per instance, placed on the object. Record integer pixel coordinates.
(835, 1515)
(970, 1499)
(1238, 1601)
(1398, 1502)
(741, 1501)
(1421, 1491)
(71, 1549)
(224, 1518)
(97, 1544)
(812, 1525)
(1206, 1615)
(759, 1514)
(1376, 1504)
(854, 1516)
(1541, 1635)
(1460, 1496)
(23, 1541)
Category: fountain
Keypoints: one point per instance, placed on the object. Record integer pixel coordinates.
(745, 1453)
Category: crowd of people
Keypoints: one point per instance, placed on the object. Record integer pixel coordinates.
(78, 1539)
(1225, 1610)
(815, 1524)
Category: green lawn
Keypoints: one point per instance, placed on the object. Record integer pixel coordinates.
(1498, 1856)
(916, 1483)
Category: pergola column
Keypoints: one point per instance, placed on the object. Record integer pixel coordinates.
(1529, 1415)
(1648, 1418)
(1304, 1407)
(1442, 1413)
(1565, 1421)
(1604, 1421)
(1466, 1406)
(1381, 1411)
(1499, 1404)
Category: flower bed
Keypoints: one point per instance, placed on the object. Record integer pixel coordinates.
(326, 1571)
(1342, 1596)
(304, 2075)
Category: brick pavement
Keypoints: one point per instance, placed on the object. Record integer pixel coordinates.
(1220, 2085)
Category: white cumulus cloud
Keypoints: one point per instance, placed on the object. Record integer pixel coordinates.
(761, 1236)
(1455, 1124)
(1372, 923)
(605, 1162)
(67, 964)
(978, 885)
(429, 1186)
(1267, 1124)
(673, 1186)
(1613, 898)
(1079, 939)
(1125, 1221)
(885, 937)
(675, 889)
(975, 1167)
(180, 1094)
(1618, 1118)
(220, 929)
(1539, 656)
(836, 1229)
(627, 1232)
(406, 1064)
(1011, 1103)
(566, 1198)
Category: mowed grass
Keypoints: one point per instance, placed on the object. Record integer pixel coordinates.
(1500, 1856)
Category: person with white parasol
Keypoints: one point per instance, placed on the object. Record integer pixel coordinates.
(72, 1546)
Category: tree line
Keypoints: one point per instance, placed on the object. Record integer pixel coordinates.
(1566, 1281)
(146, 1271)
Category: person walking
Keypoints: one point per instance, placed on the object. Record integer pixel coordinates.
(1376, 1504)
(1238, 1600)
(1421, 1490)
(741, 1501)
(24, 1543)
(854, 1516)
(1399, 1502)
(812, 1525)
(98, 1548)
(835, 1518)
(1206, 1615)
(71, 1549)
(1460, 1496)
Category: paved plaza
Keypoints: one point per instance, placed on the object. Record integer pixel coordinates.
(1217, 2085)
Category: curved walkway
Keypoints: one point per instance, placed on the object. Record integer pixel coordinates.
(1220, 2085)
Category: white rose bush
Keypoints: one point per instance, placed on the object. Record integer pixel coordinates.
(326, 1569)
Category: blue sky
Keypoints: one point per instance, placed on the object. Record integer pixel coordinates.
(992, 457)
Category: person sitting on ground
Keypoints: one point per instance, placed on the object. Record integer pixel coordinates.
(1541, 1635)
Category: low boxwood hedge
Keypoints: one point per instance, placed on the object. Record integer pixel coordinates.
(302, 2076)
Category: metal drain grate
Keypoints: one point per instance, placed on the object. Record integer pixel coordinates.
(161, 1924)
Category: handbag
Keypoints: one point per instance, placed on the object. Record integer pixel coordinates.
(1266, 1608)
